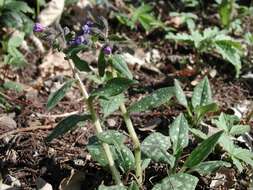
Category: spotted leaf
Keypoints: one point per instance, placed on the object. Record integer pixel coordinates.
(179, 181)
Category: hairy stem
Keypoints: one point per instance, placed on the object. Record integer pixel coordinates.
(96, 122)
(133, 135)
(136, 142)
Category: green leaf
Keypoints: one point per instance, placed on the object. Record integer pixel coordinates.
(80, 64)
(179, 133)
(113, 87)
(120, 65)
(228, 124)
(114, 187)
(16, 41)
(202, 110)
(179, 181)
(157, 98)
(145, 163)
(18, 87)
(202, 151)
(66, 125)
(133, 186)
(18, 6)
(97, 152)
(230, 53)
(198, 133)
(111, 137)
(125, 158)
(227, 143)
(237, 163)
(207, 168)
(225, 12)
(202, 94)
(180, 94)
(111, 104)
(58, 95)
(239, 129)
(101, 63)
(155, 146)
(244, 155)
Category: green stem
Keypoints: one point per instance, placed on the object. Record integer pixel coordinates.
(136, 142)
(133, 135)
(37, 8)
(96, 122)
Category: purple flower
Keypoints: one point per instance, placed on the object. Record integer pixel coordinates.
(87, 27)
(78, 41)
(38, 27)
(107, 50)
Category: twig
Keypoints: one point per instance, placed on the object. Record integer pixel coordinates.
(19, 130)
(56, 116)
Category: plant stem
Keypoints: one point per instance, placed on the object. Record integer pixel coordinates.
(133, 135)
(136, 142)
(96, 122)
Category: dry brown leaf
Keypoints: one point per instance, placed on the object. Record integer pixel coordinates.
(52, 12)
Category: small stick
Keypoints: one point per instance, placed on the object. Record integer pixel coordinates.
(19, 130)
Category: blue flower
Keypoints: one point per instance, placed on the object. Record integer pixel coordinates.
(87, 27)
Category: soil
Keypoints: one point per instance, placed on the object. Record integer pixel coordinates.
(26, 156)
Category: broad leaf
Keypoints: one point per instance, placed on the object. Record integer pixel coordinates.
(97, 152)
(239, 129)
(111, 104)
(179, 133)
(202, 151)
(155, 146)
(125, 158)
(113, 87)
(180, 94)
(207, 168)
(58, 95)
(179, 181)
(202, 94)
(244, 155)
(230, 53)
(120, 65)
(80, 64)
(157, 98)
(66, 125)
(111, 137)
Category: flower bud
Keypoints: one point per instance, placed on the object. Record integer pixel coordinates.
(107, 50)
(38, 27)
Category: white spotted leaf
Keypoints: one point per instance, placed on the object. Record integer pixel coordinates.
(179, 181)
(111, 137)
(125, 158)
(180, 94)
(202, 94)
(111, 104)
(207, 168)
(157, 98)
(155, 147)
(179, 133)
